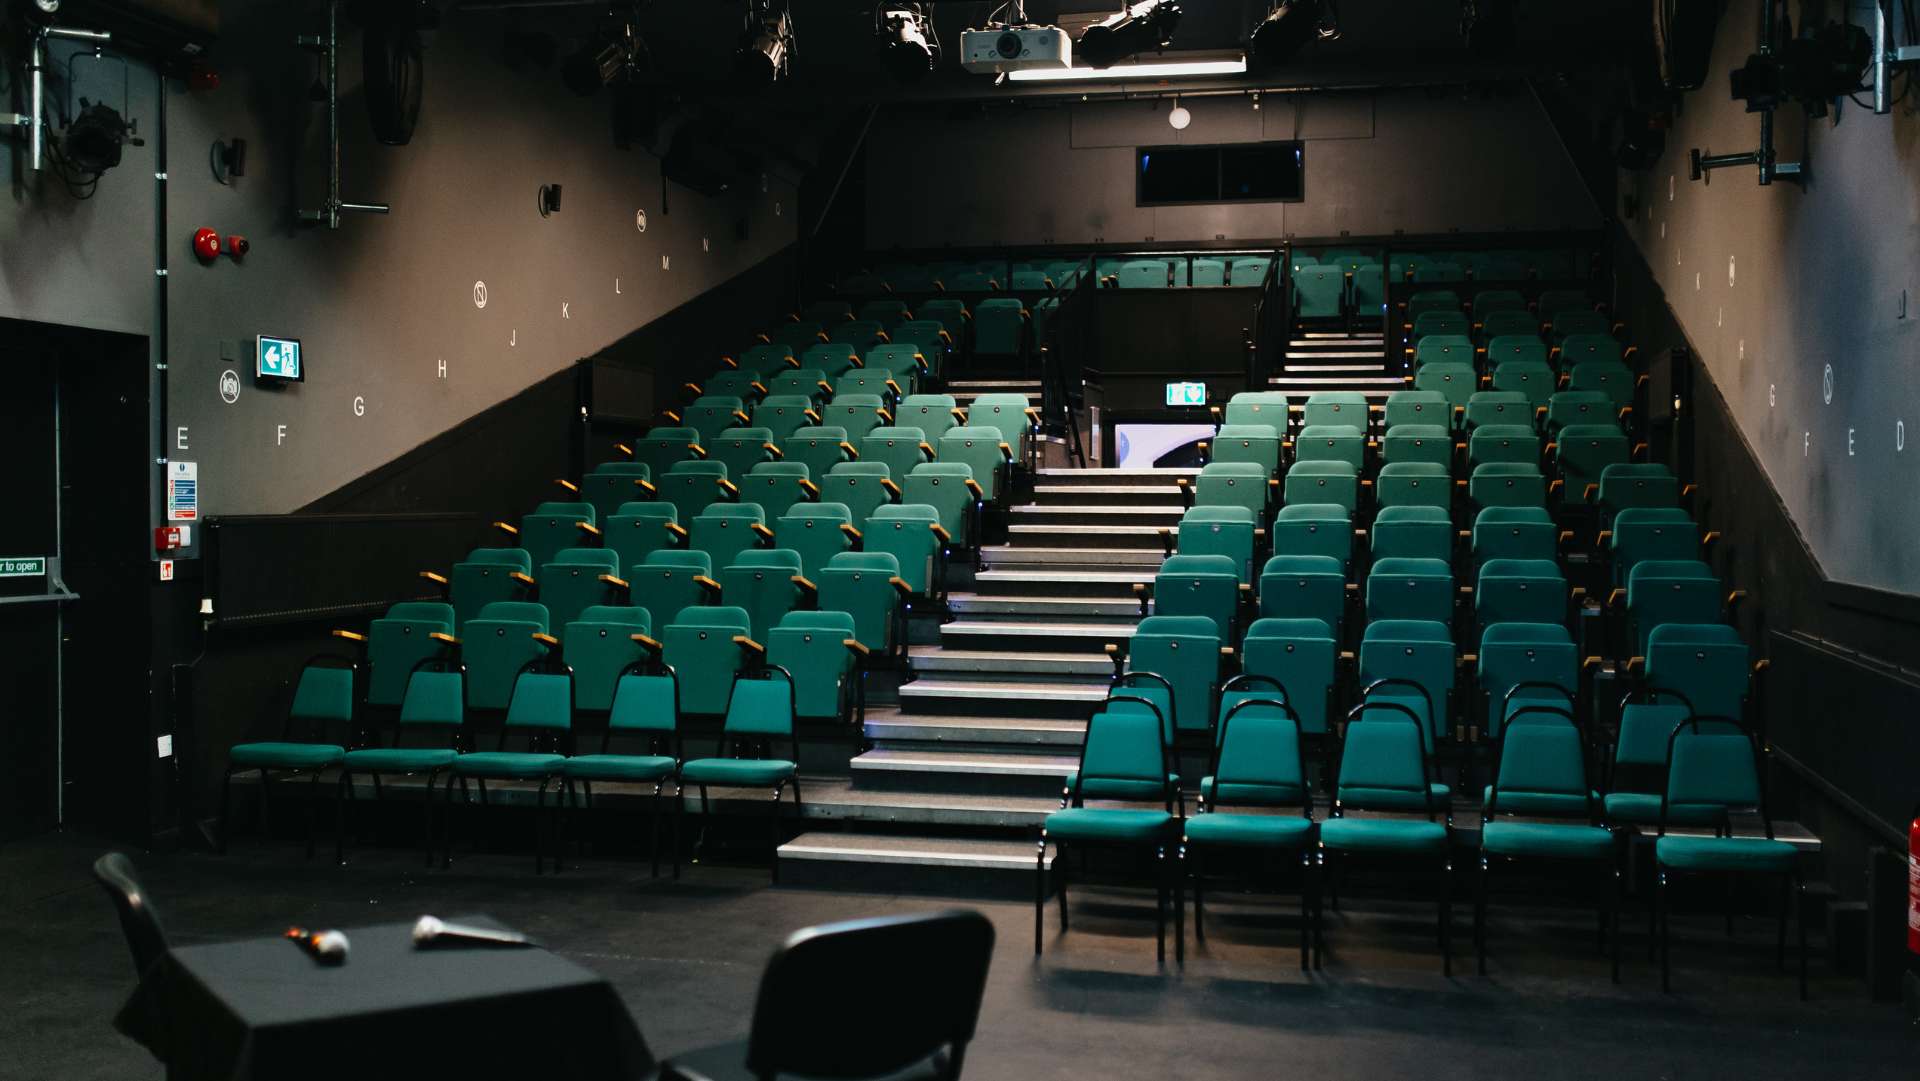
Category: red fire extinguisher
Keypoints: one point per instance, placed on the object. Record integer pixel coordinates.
(1913, 884)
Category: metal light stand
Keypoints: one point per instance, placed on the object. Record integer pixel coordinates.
(34, 119)
(1770, 169)
(329, 48)
(1886, 56)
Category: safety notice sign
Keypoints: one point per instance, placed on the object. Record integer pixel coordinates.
(183, 491)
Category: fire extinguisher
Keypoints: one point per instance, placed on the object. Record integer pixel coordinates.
(1913, 885)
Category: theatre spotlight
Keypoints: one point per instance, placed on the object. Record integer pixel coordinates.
(601, 59)
(766, 44)
(1138, 28)
(909, 49)
(1284, 31)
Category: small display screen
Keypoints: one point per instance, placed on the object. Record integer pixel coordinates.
(278, 360)
(1186, 394)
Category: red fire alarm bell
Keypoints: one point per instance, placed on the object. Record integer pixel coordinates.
(206, 245)
(168, 538)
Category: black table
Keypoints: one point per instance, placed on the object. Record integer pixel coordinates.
(264, 1008)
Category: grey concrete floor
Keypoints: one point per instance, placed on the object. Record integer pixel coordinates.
(687, 958)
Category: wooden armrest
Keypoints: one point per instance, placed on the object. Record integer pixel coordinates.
(742, 418)
(698, 450)
(1587, 493)
(758, 385)
(803, 583)
(522, 577)
(892, 488)
(511, 531)
(1246, 589)
(1736, 597)
(1468, 660)
(670, 415)
(826, 386)
(1761, 665)
(615, 581)
(646, 486)
(567, 484)
(442, 636)
(706, 583)
(761, 531)
(588, 528)
(675, 528)
(1615, 597)
(974, 487)
(1007, 451)
(959, 414)
(941, 532)
(350, 636)
(646, 641)
(849, 530)
(1635, 662)
(812, 416)
(895, 388)
(624, 449)
(1226, 651)
(900, 584)
(547, 640)
(694, 387)
(809, 487)
(850, 449)
(727, 486)
(749, 644)
(436, 579)
(1591, 663)
(732, 363)
(854, 647)
(773, 450)
(931, 453)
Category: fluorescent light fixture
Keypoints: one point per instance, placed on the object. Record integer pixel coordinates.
(1170, 69)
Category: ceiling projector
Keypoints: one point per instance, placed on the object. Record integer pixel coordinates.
(1015, 48)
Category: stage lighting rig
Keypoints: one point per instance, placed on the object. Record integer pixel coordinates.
(1287, 27)
(766, 44)
(1137, 28)
(909, 48)
(612, 51)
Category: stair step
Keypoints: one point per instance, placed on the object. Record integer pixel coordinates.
(1033, 635)
(962, 771)
(1100, 584)
(1013, 557)
(1067, 536)
(994, 386)
(1053, 699)
(1109, 475)
(890, 863)
(1000, 663)
(894, 726)
(1058, 495)
(1376, 368)
(1101, 516)
(1119, 604)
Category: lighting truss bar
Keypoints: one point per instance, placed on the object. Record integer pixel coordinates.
(1169, 69)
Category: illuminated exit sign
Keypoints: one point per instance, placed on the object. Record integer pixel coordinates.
(1186, 394)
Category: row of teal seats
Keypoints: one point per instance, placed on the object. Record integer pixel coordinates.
(1179, 272)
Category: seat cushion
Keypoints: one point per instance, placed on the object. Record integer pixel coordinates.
(1258, 795)
(508, 764)
(1643, 809)
(617, 767)
(398, 759)
(1103, 824)
(1252, 831)
(739, 772)
(1552, 840)
(1540, 803)
(1116, 788)
(1383, 835)
(1395, 799)
(1723, 854)
(283, 755)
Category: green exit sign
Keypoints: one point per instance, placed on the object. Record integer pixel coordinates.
(23, 566)
(1186, 394)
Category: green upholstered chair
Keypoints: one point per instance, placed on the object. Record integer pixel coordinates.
(690, 486)
(782, 414)
(322, 705)
(1520, 591)
(1410, 589)
(599, 646)
(1323, 482)
(711, 414)
(1583, 451)
(1523, 665)
(1185, 652)
(1258, 771)
(1713, 766)
(856, 413)
(1206, 585)
(726, 530)
(1511, 443)
(1232, 484)
(1643, 533)
(707, 647)
(1256, 444)
(1425, 443)
(433, 709)
(1304, 587)
(741, 449)
(1690, 670)
(759, 724)
(900, 448)
(933, 414)
(767, 584)
(1334, 407)
(1519, 532)
(660, 448)
(776, 486)
(1541, 773)
(1506, 484)
(818, 531)
(1326, 529)
(1123, 751)
(827, 662)
(397, 643)
(577, 579)
(1417, 407)
(1408, 666)
(551, 527)
(670, 581)
(612, 484)
(1268, 407)
(540, 708)
(1661, 591)
(912, 534)
(949, 488)
(640, 745)
(860, 487)
(1384, 769)
(1413, 484)
(985, 451)
(819, 447)
(867, 585)
(641, 529)
(1417, 532)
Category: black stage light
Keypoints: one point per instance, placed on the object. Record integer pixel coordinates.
(766, 45)
(93, 142)
(1284, 31)
(908, 47)
(596, 65)
(1139, 28)
(1813, 70)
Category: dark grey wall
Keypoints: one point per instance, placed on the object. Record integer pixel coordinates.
(1777, 286)
(381, 303)
(1412, 161)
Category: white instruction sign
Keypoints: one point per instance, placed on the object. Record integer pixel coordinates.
(183, 491)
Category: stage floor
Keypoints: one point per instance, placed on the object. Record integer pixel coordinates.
(687, 957)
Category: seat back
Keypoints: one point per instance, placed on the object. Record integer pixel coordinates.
(809, 645)
(980, 449)
(1712, 765)
(1000, 327)
(1443, 349)
(1504, 407)
(1705, 662)
(1520, 591)
(933, 414)
(859, 487)
(638, 530)
(1418, 656)
(899, 448)
(1417, 407)
(1542, 767)
(1256, 444)
(782, 414)
(139, 922)
(1323, 482)
(660, 448)
(1503, 443)
(1507, 484)
(497, 645)
(1258, 756)
(698, 645)
(613, 483)
(1220, 531)
(818, 447)
(1661, 591)
(775, 486)
(1416, 589)
(576, 579)
(1450, 321)
(862, 584)
(1331, 443)
(1268, 407)
(767, 359)
(1304, 586)
(600, 646)
(711, 414)
(1413, 484)
(1531, 379)
(398, 643)
(1526, 532)
(1123, 754)
(733, 382)
(725, 530)
(1522, 664)
(760, 707)
(817, 531)
(1314, 529)
(553, 526)
(1319, 292)
(1143, 274)
(858, 333)
(435, 699)
(1382, 764)
(1433, 300)
(1185, 651)
(797, 1031)
(541, 701)
(906, 532)
(1650, 484)
(1418, 532)
(1247, 271)
(811, 380)
(943, 486)
(1299, 654)
(1454, 382)
(1009, 414)
(1199, 585)
(1515, 349)
(1233, 484)
(1510, 324)
(670, 581)
(1337, 407)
